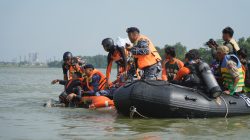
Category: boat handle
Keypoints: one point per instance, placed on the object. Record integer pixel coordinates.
(232, 103)
(190, 98)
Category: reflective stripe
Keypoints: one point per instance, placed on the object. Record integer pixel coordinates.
(228, 79)
(101, 82)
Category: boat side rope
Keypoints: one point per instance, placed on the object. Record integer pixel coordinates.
(133, 111)
(225, 105)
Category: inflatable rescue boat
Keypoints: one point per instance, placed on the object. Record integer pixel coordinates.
(160, 99)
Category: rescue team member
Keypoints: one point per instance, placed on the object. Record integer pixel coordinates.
(242, 55)
(72, 92)
(189, 75)
(171, 65)
(197, 74)
(231, 70)
(94, 81)
(115, 54)
(71, 65)
(145, 53)
(227, 36)
(215, 62)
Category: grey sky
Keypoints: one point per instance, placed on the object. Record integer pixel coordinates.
(52, 27)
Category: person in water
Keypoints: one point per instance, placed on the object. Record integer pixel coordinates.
(73, 88)
(94, 81)
(146, 56)
(171, 65)
(227, 36)
(116, 54)
(231, 70)
(71, 65)
(197, 74)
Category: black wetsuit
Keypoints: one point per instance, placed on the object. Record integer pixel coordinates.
(72, 86)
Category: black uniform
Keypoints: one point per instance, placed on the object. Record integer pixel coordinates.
(71, 86)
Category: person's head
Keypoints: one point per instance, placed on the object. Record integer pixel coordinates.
(77, 75)
(108, 44)
(242, 53)
(227, 33)
(88, 69)
(170, 52)
(67, 57)
(133, 34)
(192, 55)
(221, 52)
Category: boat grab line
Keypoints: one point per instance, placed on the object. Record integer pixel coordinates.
(133, 111)
(225, 104)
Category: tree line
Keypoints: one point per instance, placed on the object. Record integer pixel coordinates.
(100, 61)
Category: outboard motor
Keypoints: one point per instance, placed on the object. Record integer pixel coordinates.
(209, 80)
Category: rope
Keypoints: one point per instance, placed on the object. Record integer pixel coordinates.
(226, 105)
(133, 111)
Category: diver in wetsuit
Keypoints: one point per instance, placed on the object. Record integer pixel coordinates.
(197, 74)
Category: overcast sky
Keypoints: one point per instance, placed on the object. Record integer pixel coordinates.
(52, 27)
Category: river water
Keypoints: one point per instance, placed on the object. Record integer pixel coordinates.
(23, 91)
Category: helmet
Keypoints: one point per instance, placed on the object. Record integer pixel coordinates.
(67, 56)
(108, 44)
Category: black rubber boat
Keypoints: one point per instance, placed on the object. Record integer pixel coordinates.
(159, 99)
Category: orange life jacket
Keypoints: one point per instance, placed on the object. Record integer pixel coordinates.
(244, 71)
(102, 81)
(72, 70)
(147, 60)
(98, 101)
(70, 81)
(116, 57)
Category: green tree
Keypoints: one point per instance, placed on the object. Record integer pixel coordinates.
(205, 54)
(245, 43)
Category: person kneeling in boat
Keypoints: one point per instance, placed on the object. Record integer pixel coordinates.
(171, 65)
(197, 74)
(231, 70)
(95, 82)
(73, 88)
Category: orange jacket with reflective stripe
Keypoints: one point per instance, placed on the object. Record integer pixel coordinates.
(70, 81)
(73, 69)
(102, 81)
(150, 59)
(116, 56)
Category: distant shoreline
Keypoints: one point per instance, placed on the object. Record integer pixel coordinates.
(27, 67)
